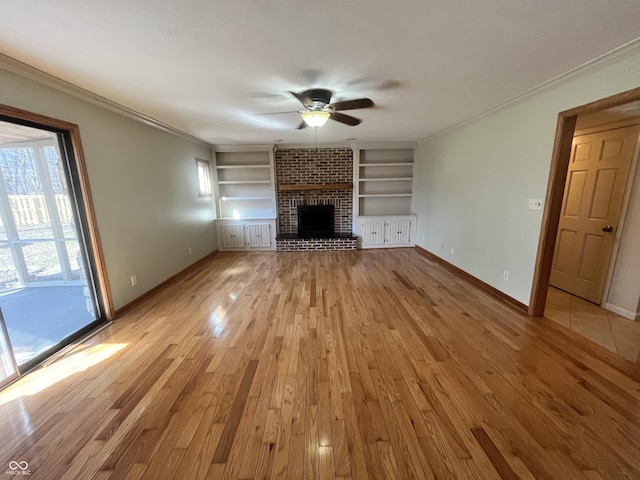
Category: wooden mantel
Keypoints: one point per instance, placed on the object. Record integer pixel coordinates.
(315, 186)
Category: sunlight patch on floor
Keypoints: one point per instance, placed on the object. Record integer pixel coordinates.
(44, 377)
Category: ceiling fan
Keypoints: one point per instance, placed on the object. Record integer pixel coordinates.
(318, 108)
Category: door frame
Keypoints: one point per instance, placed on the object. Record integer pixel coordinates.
(72, 133)
(560, 157)
(4, 337)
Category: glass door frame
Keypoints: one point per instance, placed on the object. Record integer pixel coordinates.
(5, 341)
(77, 178)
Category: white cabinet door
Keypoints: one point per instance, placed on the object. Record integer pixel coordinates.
(238, 235)
(373, 232)
(258, 235)
(405, 232)
(232, 236)
(265, 235)
(398, 232)
(227, 236)
(253, 232)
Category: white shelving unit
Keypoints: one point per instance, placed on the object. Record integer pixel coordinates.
(383, 196)
(245, 183)
(245, 196)
(384, 180)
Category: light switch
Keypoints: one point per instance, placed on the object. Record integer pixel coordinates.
(535, 204)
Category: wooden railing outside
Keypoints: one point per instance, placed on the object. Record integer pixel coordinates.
(31, 210)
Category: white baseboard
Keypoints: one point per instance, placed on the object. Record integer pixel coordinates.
(622, 312)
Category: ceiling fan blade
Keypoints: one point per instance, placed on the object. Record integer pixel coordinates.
(303, 98)
(279, 113)
(353, 104)
(346, 119)
(301, 126)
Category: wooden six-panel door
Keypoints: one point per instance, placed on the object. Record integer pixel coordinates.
(593, 196)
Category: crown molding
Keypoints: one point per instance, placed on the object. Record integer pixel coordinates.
(597, 63)
(385, 145)
(307, 146)
(233, 147)
(43, 78)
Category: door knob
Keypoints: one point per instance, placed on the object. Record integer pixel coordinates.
(607, 228)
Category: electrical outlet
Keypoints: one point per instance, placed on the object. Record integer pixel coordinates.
(505, 275)
(189, 250)
(451, 250)
(134, 280)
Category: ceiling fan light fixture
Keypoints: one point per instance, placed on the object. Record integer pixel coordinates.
(315, 118)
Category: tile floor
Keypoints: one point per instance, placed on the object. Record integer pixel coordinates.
(615, 333)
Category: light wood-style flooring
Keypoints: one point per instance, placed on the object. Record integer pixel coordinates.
(368, 364)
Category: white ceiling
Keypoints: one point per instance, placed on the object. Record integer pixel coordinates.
(12, 134)
(212, 67)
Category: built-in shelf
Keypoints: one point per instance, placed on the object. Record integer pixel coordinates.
(224, 167)
(229, 197)
(385, 180)
(388, 164)
(385, 195)
(245, 219)
(388, 179)
(314, 186)
(244, 183)
(241, 182)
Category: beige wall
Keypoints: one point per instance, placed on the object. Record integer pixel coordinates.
(144, 187)
(474, 183)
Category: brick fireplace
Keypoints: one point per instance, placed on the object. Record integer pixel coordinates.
(314, 177)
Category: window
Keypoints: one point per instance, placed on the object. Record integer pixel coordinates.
(204, 178)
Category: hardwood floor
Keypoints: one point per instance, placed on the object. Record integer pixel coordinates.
(367, 364)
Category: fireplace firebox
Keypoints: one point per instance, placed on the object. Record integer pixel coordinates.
(315, 221)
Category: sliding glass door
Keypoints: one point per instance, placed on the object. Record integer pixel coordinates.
(8, 368)
(47, 290)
